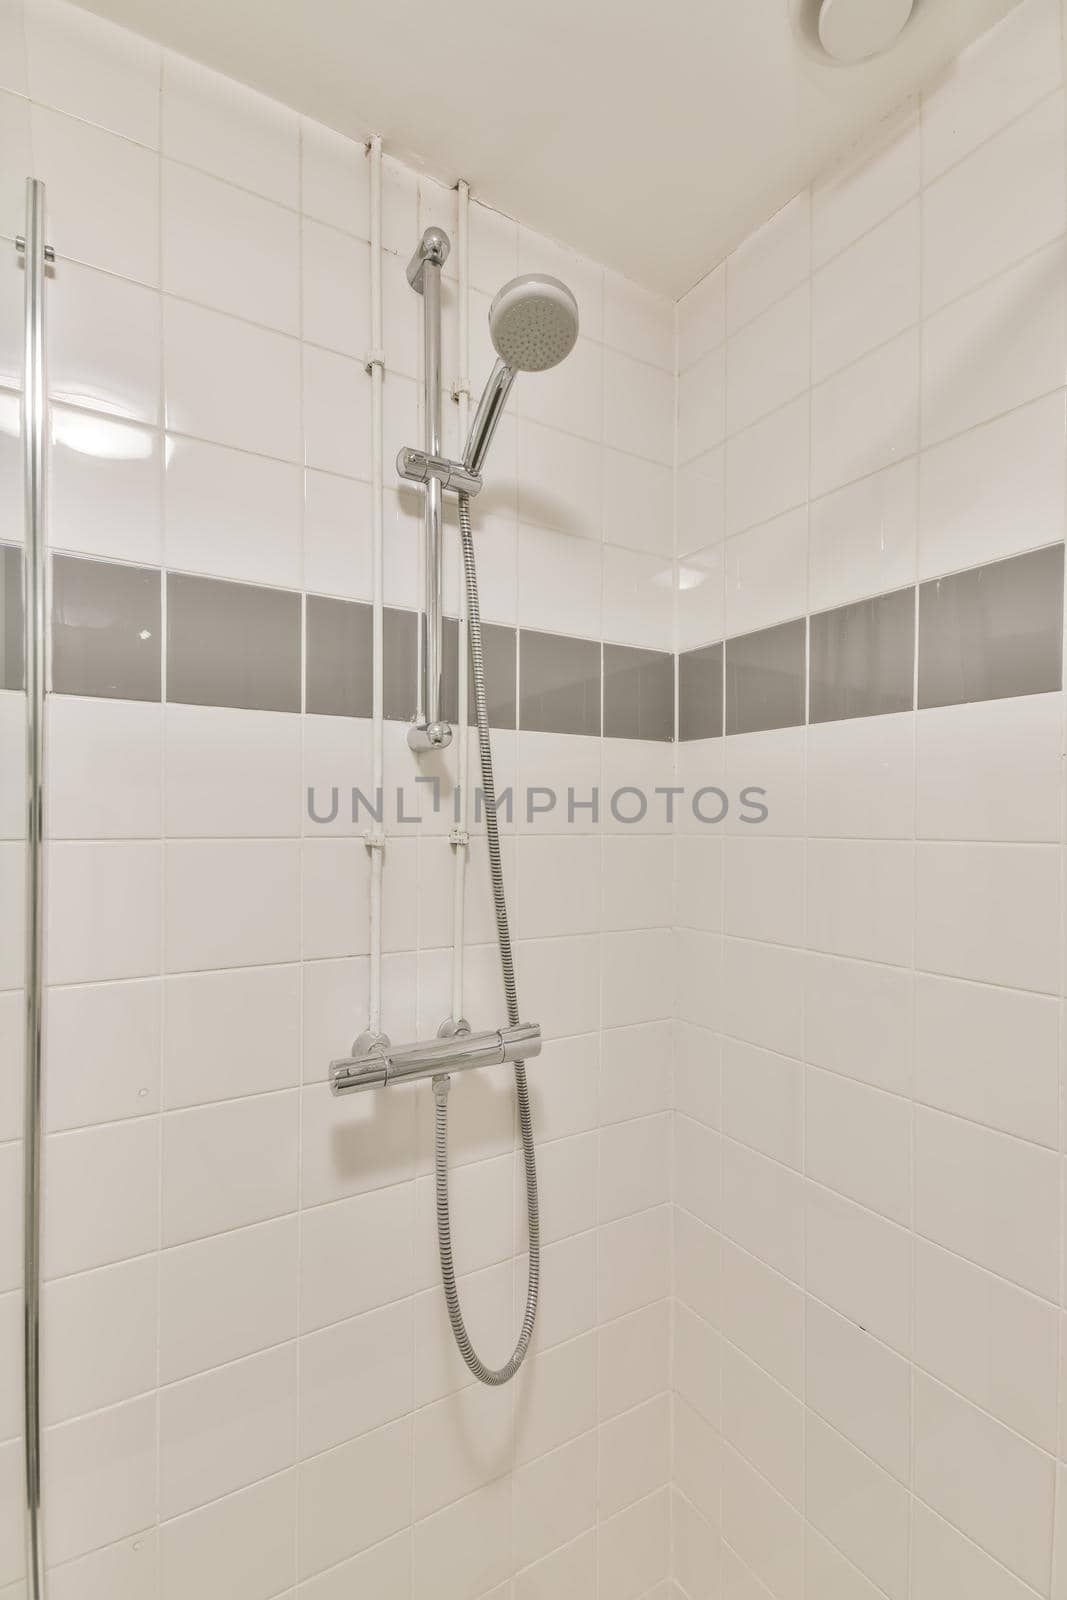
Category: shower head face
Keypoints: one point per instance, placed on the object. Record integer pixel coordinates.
(533, 323)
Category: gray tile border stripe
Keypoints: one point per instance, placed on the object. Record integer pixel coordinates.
(765, 678)
(987, 632)
(994, 631)
(339, 657)
(232, 644)
(12, 632)
(700, 693)
(638, 693)
(862, 658)
(106, 629)
(500, 648)
(559, 683)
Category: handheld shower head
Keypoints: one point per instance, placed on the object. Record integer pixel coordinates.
(533, 323)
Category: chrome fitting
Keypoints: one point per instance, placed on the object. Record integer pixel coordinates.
(432, 247)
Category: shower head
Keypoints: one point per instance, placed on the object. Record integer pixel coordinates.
(533, 323)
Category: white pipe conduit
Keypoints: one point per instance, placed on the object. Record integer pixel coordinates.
(375, 363)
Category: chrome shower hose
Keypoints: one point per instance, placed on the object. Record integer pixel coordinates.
(484, 1374)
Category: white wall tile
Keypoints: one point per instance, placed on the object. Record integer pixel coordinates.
(988, 1340)
(232, 514)
(230, 382)
(764, 1422)
(859, 1386)
(99, 1476)
(762, 1528)
(950, 1567)
(334, 287)
(764, 889)
(979, 218)
(90, 69)
(100, 1345)
(770, 262)
(861, 777)
(860, 898)
(994, 491)
(104, 485)
(858, 1507)
(559, 482)
(867, 294)
(769, 361)
(995, 348)
(231, 1033)
(988, 912)
(230, 249)
(104, 912)
(242, 1546)
(226, 1429)
(101, 1195)
(336, 413)
(702, 317)
(103, 196)
(867, 415)
(860, 1265)
(700, 495)
(232, 772)
(862, 538)
(355, 1376)
(638, 322)
(638, 599)
(766, 573)
(638, 501)
(857, 1141)
(985, 1480)
(231, 903)
(353, 1497)
(989, 1197)
(763, 1315)
(225, 1297)
(228, 1165)
(999, 76)
(103, 344)
(871, 182)
(701, 405)
(965, 1033)
(105, 768)
(634, 1166)
(638, 408)
(767, 466)
(210, 121)
(103, 1052)
(334, 178)
(762, 1209)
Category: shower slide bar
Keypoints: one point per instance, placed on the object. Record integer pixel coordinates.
(375, 1063)
(36, 255)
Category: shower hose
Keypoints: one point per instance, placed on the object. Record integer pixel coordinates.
(484, 1374)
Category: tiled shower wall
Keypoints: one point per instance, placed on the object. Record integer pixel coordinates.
(250, 1389)
(868, 1160)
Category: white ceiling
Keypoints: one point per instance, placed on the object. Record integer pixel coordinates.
(652, 137)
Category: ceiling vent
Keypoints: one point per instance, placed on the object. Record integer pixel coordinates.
(847, 32)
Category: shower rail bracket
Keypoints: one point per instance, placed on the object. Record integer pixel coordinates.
(419, 466)
(374, 1063)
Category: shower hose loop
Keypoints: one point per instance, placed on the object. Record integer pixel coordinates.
(489, 1375)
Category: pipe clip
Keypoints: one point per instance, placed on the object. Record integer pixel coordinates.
(459, 836)
(374, 358)
(49, 250)
(461, 387)
(374, 839)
